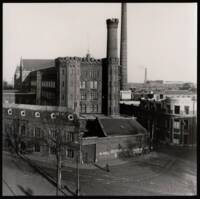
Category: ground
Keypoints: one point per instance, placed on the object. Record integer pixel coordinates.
(168, 171)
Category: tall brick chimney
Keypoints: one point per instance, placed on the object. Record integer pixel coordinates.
(112, 69)
(123, 48)
(112, 25)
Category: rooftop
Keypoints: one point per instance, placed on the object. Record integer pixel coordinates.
(121, 126)
(37, 64)
(37, 107)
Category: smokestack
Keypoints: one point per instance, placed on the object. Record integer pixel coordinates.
(123, 47)
(112, 25)
(112, 69)
(145, 76)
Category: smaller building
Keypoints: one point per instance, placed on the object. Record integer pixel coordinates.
(32, 129)
(169, 117)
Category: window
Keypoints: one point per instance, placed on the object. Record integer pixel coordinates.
(176, 136)
(168, 108)
(83, 95)
(37, 147)
(186, 125)
(186, 108)
(91, 84)
(70, 137)
(95, 84)
(93, 95)
(37, 132)
(177, 124)
(82, 85)
(63, 83)
(53, 150)
(63, 72)
(63, 97)
(94, 108)
(53, 133)
(70, 153)
(161, 96)
(83, 108)
(177, 109)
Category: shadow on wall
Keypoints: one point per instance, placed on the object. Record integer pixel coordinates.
(27, 191)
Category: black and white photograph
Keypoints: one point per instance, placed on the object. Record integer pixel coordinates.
(99, 99)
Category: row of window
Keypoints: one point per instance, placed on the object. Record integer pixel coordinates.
(39, 133)
(91, 84)
(177, 109)
(177, 125)
(48, 95)
(90, 74)
(168, 108)
(48, 84)
(91, 96)
(69, 152)
(92, 108)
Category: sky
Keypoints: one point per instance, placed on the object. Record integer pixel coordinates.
(161, 36)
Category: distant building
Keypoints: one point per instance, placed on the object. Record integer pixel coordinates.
(169, 117)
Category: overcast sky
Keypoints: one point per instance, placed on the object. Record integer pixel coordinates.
(161, 36)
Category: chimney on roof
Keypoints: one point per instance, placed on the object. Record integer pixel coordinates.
(145, 76)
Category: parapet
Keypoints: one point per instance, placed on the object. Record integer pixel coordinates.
(83, 60)
(112, 22)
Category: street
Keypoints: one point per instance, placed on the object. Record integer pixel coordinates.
(160, 173)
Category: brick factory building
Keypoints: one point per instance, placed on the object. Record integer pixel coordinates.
(31, 128)
(86, 85)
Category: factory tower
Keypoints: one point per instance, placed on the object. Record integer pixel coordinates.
(123, 48)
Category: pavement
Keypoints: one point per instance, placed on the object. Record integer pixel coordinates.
(20, 179)
(50, 162)
(163, 172)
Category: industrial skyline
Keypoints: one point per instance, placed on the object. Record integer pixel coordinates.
(30, 34)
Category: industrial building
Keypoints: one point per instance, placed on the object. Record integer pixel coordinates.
(170, 117)
(84, 87)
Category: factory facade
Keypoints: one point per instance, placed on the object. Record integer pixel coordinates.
(34, 129)
(86, 85)
(86, 88)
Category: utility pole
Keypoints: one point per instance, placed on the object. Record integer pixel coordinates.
(79, 160)
(58, 157)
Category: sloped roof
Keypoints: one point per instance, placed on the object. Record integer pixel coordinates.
(37, 64)
(115, 126)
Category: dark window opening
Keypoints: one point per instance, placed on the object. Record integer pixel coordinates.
(177, 110)
(70, 153)
(37, 147)
(176, 136)
(186, 125)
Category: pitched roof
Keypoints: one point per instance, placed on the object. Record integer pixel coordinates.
(37, 64)
(119, 126)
